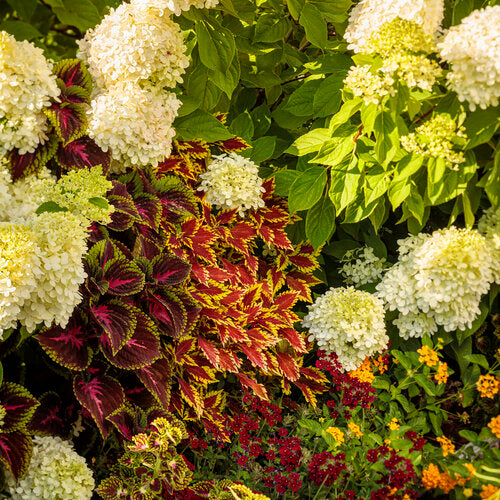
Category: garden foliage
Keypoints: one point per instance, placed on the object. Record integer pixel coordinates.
(249, 250)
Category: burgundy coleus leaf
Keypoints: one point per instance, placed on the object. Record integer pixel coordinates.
(124, 277)
(18, 404)
(15, 452)
(177, 200)
(118, 320)
(124, 419)
(82, 153)
(232, 145)
(69, 120)
(169, 311)
(157, 378)
(258, 389)
(22, 165)
(73, 72)
(125, 213)
(100, 396)
(294, 338)
(142, 349)
(149, 209)
(50, 418)
(67, 346)
(169, 270)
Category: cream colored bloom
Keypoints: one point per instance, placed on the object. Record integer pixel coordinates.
(362, 266)
(348, 322)
(177, 6)
(27, 85)
(134, 124)
(56, 472)
(473, 50)
(371, 86)
(135, 43)
(232, 181)
(368, 16)
(489, 227)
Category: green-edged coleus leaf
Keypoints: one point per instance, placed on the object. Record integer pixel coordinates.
(169, 270)
(28, 163)
(125, 213)
(149, 208)
(157, 380)
(68, 346)
(118, 322)
(69, 120)
(15, 452)
(73, 72)
(110, 488)
(124, 419)
(18, 404)
(177, 200)
(50, 418)
(142, 349)
(100, 396)
(123, 277)
(169, 311)
(82, 153)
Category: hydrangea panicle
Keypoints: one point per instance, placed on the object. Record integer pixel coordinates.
(232, 181)
(27, 86)
(472, 49)
(368, 16)
(56, 472)
(362, 266)
(349, 323)
(134, 124)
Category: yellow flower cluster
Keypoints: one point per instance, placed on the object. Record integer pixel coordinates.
(393, 424)
(428, 356)
(442, 374)
(355, 429)
(488, 386)
(337, 434)
(432, 478)
(364, 373)
(488, 490)
(494, 426)
(447, 446)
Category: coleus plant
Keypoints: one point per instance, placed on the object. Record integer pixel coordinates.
(179, 296)
(17, 406)
(67, 146)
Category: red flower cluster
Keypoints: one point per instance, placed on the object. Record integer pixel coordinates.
(354, 392)
(325, 468)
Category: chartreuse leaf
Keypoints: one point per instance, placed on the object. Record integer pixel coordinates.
(307, 189)
(284, 180)
(215, 44)
(50, 206)
(82, 14)
(300, 102)
(20, 30)
(315, 25)
(309, 142)
(334, 150)
(320, 222)
(201, 125)
(345, 180)
(328, 97)
(387, 138)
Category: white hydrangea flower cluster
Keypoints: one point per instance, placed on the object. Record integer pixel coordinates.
(489, 227)
(137, 43)
(348, 322)
(27, 85)
(41, 267)
(361, 266)
(177, 6)
(135, 53)
(415, 325)
(368, 16)
(134, 124)
(56, 472)
(473, 50)
(372, 87)
(232, 181)
(441, 275)
(435, 139)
